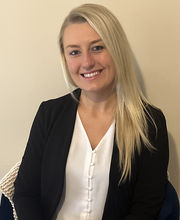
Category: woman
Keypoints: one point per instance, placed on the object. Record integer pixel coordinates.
(100, 152)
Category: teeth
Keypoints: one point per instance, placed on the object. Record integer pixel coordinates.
(91, 74)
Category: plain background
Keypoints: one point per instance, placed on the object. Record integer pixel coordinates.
(30, 70)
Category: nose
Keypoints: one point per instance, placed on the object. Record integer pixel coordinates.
(88, 61)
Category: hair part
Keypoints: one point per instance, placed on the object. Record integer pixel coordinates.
(131, 111)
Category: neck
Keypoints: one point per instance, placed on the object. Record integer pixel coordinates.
(97, 102)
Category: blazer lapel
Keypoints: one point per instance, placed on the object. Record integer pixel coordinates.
(110, 209)
(57, 152)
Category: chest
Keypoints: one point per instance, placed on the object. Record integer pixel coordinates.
(95, 126)
(87, 169)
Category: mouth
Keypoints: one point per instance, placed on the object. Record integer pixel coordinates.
(91, 74)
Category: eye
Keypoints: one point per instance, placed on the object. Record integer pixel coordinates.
(98, 48)
(74, 52)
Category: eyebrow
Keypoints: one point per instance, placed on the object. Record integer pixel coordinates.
(76, 46)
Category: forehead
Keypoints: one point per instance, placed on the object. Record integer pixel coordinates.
(79, 33)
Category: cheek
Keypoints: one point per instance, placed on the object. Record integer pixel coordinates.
(106, 59)
(72, 65)
(110, 64)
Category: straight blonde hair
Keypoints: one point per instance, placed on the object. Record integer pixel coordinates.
(131, 110)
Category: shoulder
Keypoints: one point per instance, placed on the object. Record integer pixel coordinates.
(56, 109)
(57, 105)
(157, 128)
(154, 116)
(67, 98)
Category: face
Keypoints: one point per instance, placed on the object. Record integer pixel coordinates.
(89, 63)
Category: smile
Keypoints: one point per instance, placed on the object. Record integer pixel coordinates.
(90, 75)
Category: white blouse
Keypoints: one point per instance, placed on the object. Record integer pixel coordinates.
(87, 176)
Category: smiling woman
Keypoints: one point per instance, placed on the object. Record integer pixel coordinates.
(89, 63)
(100, 152)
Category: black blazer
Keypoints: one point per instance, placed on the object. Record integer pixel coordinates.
(39, 184)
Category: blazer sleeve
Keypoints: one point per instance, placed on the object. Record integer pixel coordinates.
(151, 177)
(27, 185)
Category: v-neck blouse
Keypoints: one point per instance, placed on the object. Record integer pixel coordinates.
(87, 176)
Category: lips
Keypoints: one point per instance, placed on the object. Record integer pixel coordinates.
(91, 74)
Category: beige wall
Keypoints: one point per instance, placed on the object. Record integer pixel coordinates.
(30, 71)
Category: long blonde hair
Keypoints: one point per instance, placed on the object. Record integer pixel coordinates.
(131, 120)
